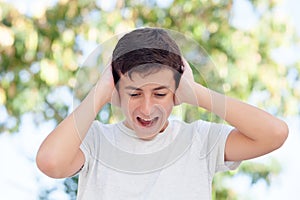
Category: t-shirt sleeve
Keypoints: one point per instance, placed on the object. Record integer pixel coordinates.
(88, 145)
(223, 165)
(214, 137)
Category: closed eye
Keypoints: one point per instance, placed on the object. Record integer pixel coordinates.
(134, 95)
(160, 95)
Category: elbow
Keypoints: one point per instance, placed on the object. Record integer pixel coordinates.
(48, 165)
(281, 133)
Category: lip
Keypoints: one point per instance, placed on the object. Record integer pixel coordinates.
(146, 122)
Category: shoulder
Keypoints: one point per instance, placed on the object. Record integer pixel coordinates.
(98, 126)
(207, 136)
(197, 127)
(97, 129)
(202, 127)
(212, 129)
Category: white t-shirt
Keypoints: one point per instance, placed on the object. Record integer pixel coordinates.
(179, 163)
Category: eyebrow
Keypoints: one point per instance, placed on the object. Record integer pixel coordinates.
(139, 89)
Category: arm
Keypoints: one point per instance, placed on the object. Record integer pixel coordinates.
(59, 155)
(256, 132)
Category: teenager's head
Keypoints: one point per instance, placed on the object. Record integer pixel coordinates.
(147, 67)
(151, 46)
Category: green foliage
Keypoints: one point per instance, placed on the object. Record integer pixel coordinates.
(256, 171)
(259, 171)
(41, 53)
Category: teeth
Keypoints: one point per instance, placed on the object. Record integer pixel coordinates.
(147, 120)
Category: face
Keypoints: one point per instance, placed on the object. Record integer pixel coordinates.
(147, 102)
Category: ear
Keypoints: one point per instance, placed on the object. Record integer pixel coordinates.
(115, 98)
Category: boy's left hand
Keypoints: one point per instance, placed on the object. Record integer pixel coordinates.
(185, 92)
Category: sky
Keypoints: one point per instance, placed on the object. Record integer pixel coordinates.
(20, 178)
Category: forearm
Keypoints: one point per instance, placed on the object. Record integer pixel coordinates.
(61, 146)
(253, 122)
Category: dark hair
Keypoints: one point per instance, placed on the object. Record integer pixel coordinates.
(146, 51)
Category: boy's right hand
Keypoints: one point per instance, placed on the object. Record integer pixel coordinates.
(185, 92)
(105, 87)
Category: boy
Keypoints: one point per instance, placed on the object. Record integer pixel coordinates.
(148, 156)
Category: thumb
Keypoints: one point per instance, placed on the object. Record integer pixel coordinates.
(176, 99)
(115, 98)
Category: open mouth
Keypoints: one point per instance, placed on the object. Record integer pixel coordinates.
(147, 122)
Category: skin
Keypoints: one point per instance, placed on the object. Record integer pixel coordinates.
(152, 101)
(60, 156)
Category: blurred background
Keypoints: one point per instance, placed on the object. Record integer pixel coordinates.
(254, 45)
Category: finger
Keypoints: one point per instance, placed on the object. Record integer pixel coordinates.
(185, 63)
(115, 98)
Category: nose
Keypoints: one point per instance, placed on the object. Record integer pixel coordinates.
(146, 106)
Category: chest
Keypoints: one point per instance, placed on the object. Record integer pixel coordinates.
(187, 177)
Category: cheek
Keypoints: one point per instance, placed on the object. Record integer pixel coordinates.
(168, 105)
(169, 109)
(128, 105)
